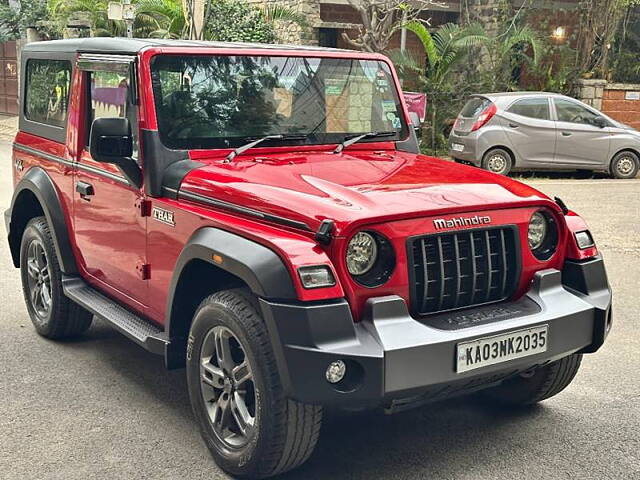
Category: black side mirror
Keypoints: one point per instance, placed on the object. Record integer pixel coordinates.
(110, 141)
(600, 122)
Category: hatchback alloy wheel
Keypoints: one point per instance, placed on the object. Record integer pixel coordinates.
(625, 165)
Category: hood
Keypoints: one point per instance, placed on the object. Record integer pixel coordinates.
(355, 187)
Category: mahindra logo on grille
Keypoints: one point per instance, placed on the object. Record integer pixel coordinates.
(442, 223)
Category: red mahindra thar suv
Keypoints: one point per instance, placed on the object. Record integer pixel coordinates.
(261, 215)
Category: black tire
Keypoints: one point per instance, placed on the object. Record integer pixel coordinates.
(624, 165)
(497, 160)
(542, 383)
(284, 432)
(59, 317)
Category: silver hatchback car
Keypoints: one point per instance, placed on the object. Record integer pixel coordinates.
(501, 132)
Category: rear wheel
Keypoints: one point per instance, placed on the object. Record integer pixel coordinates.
(250, 427)
(51, 312)
(625, 165)
(497, 160)
(540, 384)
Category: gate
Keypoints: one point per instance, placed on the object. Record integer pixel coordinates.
(8, 78)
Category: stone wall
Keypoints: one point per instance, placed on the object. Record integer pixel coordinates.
(590, 91)
(291, 33)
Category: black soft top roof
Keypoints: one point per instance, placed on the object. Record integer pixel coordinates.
(134, 45)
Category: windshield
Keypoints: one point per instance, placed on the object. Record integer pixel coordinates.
(205, 101)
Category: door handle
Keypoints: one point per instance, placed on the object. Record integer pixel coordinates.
(513, 125)
(566, 134)
(85, 190)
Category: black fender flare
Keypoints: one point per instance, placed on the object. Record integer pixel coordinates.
(40, 184)
(255, 264)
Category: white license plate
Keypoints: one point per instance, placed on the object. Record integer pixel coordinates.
(501, 348)
(457, 147)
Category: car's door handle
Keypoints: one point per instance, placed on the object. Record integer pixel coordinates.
(85, 190)
(566, 134)
(513, 125)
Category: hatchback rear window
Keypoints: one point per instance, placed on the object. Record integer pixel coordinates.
(474, 107)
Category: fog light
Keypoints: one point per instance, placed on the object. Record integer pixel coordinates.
(584, 240)
(336, 371)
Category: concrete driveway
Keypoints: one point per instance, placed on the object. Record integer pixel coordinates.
(101, 407)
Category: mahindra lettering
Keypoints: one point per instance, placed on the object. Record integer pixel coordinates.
(261, 215)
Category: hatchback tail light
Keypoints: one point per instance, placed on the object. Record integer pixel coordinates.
(484, 116)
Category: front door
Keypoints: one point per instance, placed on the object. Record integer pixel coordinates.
(109, 229)
(580, 142)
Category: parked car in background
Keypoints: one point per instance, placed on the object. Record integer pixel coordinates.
(502, 132)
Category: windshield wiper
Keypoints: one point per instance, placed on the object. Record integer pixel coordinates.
(254, 143)
(351, 140)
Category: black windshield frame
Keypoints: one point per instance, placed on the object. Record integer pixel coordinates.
(383, 89)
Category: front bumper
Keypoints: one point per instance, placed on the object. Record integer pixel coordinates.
(393, 359)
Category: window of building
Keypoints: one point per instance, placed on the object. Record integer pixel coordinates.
(532, 108)
(47, 91)
(328, 37)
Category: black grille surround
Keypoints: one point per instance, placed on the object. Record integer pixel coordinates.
(463, 268)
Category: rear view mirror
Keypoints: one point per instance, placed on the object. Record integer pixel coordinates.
(110, 140)
(600, 122)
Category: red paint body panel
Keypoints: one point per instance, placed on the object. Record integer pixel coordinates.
(368, 185)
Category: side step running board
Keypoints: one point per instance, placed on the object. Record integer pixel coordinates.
(141, 331)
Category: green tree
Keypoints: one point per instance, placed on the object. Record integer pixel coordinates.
(446, 51)
(14, 21)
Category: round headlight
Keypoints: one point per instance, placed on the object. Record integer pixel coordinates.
(538, 228)
(362, 252)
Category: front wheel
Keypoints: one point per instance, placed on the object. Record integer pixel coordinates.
(625, 165)
(251, 428)
(497, 161)
(540, 384)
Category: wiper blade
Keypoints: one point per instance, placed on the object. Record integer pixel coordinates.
(351, 140)
(256, 142)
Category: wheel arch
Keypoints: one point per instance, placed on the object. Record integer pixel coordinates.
(213, 260)
(36, 195)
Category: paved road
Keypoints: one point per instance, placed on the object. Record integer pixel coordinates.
(101, 407)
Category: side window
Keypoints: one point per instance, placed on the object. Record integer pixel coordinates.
(109, 97)
(571, 112)
(532, 108)
(47, 91)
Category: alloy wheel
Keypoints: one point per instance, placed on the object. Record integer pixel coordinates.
(39, 279)
(227, 386)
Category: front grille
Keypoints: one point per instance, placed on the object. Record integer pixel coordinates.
(463, 268)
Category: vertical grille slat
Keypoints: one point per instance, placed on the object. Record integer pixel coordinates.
(487, 240)
(461, 269)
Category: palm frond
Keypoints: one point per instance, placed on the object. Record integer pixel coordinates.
(273, 13)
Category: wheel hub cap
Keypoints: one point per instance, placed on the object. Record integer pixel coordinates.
(228, 390)
(625, 165)
(497, 163)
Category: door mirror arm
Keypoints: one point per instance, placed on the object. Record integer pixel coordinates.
(110, 141)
